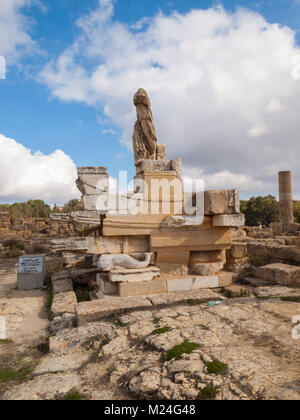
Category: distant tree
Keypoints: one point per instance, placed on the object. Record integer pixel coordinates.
(33, 208)
(260, 210)
(297, 211)
(73, 205)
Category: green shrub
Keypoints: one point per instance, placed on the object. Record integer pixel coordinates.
(162, 330)
(208, 393)
(177, 351)
(74, 396)
(216, 367)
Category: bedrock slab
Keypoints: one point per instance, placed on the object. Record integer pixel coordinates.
(97, 309)
(168, 298)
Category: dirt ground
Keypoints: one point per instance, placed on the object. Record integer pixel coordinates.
(26, 325)
(242, 349)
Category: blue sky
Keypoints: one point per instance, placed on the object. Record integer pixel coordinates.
(35, 113)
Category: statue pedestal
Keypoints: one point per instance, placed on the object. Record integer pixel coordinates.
(162, 192)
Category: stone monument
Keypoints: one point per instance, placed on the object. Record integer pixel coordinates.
(285, 199)
(161, 251)
(31, 272)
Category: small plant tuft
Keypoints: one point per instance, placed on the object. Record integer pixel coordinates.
(290, 299)
(5, 341)
(21, 374)
(195, 302)
(208, 393)
(162, 330)
(177, 351)
(216, 367)
(74, 396)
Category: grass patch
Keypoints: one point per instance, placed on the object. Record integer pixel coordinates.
(49, 300)
(177, 351)
(74, 396)
(290, 299)
(162, 330)
(6, 341)
(216, 367)
(208, 393)
(195, 302)
(21, 374)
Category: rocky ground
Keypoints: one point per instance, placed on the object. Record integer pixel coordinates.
(241, 349)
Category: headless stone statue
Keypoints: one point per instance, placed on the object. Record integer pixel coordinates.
(144, 138)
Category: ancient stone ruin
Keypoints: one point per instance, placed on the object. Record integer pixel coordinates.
(160, 248)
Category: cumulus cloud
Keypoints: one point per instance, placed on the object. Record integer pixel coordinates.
(14, 26)
(25, 175)
(225, 88)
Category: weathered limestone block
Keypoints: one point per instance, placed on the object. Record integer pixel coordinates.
(238, 250)
(206, 269)
(96, 202)
(153, 165)
(191, 282)
(233, 220)
(225, 278)
(133, 275)
(207, 256)
(119, 245)
(182, 221)
(65, 285)
(70, 244)
(109, 262)
(64, 302)
(236, 265)
(263, 254)
(218, 202)
(92, 180)
(276, 291)
(94, 311)
(173, 269)
(203, 238)
(287, 275)
(144, 288)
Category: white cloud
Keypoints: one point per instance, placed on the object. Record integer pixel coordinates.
(25, 175)
(14, 27)
(258, 130)
(214, 77)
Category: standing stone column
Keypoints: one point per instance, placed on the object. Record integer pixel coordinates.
(285, 199)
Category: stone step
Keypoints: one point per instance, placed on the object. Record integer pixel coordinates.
(96, 310)
(283, 274)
